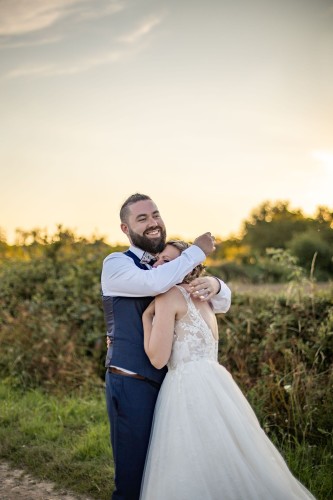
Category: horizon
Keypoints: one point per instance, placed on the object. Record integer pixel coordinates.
(170, 234)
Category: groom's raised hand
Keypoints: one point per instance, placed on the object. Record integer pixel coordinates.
(206, 242)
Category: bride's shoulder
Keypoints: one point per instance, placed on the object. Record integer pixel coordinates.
(172, 295)
(175, 291)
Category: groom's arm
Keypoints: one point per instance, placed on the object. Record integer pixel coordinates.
(121, 277)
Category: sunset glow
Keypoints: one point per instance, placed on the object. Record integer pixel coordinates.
(211, 108)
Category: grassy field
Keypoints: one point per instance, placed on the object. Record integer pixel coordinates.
(66, 440)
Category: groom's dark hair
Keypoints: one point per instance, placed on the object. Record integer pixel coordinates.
(130, 200)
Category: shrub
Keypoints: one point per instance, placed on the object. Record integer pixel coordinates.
(52, 326)
(279, 350)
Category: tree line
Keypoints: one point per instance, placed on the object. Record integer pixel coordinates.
(309, 240)
(247, 257)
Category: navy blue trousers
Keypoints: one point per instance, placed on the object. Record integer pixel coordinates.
(130, 404)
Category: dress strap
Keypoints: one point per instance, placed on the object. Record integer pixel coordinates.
(187, 297)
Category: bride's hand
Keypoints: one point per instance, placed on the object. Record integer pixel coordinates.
(204, 287)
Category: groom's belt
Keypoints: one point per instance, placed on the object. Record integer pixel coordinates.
(112, 369)
(116, 371)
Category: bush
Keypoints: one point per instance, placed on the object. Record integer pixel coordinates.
(310, 245)
(279, 350)
(52, 326)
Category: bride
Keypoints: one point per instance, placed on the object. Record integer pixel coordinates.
(206, 442)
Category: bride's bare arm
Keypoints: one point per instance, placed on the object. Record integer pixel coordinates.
(147, 321)
(158, 329)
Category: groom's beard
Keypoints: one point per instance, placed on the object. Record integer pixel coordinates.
(153, 246)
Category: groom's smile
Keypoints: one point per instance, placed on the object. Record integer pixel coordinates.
(154, 233)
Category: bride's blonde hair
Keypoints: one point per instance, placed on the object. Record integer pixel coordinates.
(197, 271)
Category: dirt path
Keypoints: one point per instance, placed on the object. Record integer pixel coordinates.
(16, 484)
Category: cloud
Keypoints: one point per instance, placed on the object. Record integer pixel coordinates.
(144, 29)
(46, 70)
(108, 10)
(19, 20)
(18, 17)
(31, 43)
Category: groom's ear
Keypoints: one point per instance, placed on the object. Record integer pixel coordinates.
(124, 228)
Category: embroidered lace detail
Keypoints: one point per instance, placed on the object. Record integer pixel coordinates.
(193, 339)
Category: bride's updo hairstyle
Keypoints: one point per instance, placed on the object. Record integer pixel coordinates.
(197, 271)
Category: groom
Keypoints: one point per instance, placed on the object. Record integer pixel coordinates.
(132, 383)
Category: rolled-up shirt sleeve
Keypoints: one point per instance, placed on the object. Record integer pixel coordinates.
(222, 301)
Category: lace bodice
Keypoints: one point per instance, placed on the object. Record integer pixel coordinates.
(193, 339)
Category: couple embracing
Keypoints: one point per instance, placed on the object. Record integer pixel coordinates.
(194, 437)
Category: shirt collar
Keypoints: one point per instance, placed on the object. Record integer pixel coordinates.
(140, 253)
(137, 251)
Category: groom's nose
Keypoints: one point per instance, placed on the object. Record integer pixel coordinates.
(152, 222)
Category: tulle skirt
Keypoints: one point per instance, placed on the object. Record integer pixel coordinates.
(207, 444)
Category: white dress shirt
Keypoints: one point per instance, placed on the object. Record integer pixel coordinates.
(121, 277)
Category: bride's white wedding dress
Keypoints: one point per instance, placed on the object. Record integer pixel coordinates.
(206, 442)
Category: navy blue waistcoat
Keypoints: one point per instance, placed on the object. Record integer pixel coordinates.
(123, 317)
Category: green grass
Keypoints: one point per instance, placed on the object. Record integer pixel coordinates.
(66, 440)
(311, 464)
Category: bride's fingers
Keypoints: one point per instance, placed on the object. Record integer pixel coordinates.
(203, 293)
(199, 284)
(208, 285)
(199, 289)
(205, 296)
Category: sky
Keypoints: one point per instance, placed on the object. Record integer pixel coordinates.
(210, 107)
